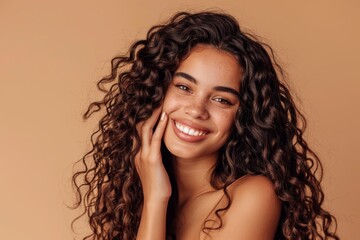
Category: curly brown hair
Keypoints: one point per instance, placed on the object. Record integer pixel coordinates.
(267, 138)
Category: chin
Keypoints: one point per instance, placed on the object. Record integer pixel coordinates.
(180, 151)
(186, 151)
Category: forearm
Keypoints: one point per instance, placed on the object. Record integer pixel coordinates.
(153, 221)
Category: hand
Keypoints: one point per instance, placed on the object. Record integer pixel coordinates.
(154, 178)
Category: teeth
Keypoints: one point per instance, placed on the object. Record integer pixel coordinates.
(189, 131)
(186, 130)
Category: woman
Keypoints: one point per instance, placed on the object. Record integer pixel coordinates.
(200, 140)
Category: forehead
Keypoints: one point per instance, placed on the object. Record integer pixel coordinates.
(213, 66)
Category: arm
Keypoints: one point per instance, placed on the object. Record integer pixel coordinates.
(154, 179)
(153, 221)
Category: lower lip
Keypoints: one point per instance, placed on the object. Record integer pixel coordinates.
(185, 137)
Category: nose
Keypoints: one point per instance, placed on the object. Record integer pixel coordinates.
(197, 109)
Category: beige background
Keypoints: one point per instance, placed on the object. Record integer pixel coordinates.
(53, 52)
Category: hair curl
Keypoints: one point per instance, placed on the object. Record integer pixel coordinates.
(267, 138)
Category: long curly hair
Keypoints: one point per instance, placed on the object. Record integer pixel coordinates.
(267, 137)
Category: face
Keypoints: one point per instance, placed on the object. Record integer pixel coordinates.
(201, 103)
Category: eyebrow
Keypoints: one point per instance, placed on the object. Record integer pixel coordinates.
(217, 88)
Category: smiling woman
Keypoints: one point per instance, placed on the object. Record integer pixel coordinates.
(201, 140)
(201, 102)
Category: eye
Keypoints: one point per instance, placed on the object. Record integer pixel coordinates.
(222, 101)
(183, 87)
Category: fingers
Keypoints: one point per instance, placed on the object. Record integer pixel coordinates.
(159, 132)
(147, 128)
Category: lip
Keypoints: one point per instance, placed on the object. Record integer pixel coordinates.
(185, 137)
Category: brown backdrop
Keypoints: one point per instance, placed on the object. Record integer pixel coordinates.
(53, 52)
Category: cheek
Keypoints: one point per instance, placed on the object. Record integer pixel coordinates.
(167, 105)
(171, 103)
(225, 122)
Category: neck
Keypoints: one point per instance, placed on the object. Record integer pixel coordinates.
(193, 177)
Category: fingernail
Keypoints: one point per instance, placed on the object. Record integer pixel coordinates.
(162, 116)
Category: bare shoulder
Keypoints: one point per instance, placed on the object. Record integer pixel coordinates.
(257, 189)
(254, 211)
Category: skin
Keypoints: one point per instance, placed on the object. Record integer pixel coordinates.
(202, 97)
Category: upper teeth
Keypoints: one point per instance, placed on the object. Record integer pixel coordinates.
(189, 131)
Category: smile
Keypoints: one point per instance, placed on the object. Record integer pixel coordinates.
(189, 131)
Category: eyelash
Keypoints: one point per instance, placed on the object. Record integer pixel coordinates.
(183, 87)
(219, 100)
(223, 101)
